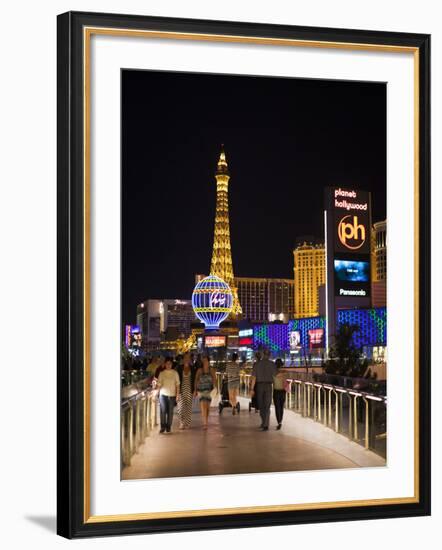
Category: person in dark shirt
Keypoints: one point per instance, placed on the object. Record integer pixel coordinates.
(279, 392)
(262, 383)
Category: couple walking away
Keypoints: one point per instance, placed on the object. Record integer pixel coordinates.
(179, 387)
(267, 382)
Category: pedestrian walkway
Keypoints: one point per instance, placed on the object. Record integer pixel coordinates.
(234, 444)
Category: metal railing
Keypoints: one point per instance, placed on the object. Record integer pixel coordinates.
(129, 377)
(138, 418)
(244, 382)
(368, 385)
(361, 416)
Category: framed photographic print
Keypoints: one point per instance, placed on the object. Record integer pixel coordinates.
(232, 349)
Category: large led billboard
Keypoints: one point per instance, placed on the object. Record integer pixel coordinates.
(316, 338)
(294, 339)
(132, 336)
(215, 341)
(352, 277)
(352, 271)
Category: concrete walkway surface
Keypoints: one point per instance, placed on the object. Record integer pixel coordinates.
(235, 445)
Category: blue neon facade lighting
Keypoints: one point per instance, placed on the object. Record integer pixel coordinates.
(304, 325)
(212, 301)
(372, 324)
(273, 337)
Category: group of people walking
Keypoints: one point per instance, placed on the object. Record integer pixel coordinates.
(268, 381)
(179, 386)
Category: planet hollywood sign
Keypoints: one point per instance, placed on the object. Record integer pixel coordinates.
(346, 204)
(351, 233)
(348, 249)
(351, 220)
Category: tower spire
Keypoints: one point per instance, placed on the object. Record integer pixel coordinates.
(221, 264)
(222, 167)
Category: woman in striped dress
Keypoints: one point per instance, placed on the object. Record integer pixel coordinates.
(187, 379)
(233, 378)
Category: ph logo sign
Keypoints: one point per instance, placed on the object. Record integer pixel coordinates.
(351, 233)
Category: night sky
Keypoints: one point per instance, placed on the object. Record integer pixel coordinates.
(285, 140)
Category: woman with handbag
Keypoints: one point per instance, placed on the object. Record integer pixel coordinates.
(204, 384)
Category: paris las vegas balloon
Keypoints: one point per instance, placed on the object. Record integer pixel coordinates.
(212, 301)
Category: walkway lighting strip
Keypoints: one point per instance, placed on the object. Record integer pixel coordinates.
(374, 398)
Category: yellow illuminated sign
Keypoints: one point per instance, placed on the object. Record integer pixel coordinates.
(351, 233)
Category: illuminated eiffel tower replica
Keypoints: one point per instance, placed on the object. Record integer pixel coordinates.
(221, 264)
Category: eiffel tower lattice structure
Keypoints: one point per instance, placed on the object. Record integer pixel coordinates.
(221, 264)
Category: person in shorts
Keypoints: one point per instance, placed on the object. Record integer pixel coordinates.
(204, 384)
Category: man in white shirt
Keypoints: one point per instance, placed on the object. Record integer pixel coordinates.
(169, 386)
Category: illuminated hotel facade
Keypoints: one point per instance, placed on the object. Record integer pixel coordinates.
(309, 275)
(380, 250)
(264, 300)
(379, 264)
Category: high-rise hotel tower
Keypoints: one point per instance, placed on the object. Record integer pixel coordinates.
(309, 276)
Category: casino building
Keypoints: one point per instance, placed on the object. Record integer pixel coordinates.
(294, 340)
(379, 264)
(164, 319)
(264, 299)
(380, 250)
(309, 273)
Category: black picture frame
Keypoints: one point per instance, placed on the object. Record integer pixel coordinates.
(73, 521)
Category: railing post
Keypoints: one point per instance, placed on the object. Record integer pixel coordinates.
(355, 403)
(329, 407)
(143, 417)
(309, 386)
(304, 400)
(336, 410)
(367, 429)
(155, 410)
(124, 454)
(137, 423)
(319, 403)
(350, 416)
(315, 402)
(149, 412)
